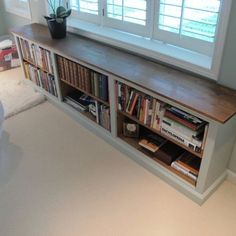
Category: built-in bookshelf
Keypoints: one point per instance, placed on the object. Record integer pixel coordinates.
(38, 65)
(85, 90)
(179, 126)
(165, 133)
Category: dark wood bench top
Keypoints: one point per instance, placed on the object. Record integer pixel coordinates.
(203, 96)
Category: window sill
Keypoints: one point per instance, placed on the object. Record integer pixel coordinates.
(172, 55)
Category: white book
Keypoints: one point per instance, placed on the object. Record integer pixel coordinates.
(182, 135)
(97, 111)
(180, 139)
(130, 97)
(184, 171)
(156, 119)
(181, 128)
(119, 96)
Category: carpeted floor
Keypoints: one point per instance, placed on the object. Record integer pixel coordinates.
(15, 95)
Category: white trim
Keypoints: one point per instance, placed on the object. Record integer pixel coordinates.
(220, 42)
(23, 11)
(231, 177)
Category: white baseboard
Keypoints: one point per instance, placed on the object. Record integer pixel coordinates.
(231, 176)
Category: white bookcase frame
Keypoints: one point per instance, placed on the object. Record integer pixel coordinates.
(219, 142)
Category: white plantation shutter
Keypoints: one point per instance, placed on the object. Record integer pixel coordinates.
(127, 15)
(88, 10)
(188, 23)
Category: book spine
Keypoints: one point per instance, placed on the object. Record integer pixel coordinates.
(180, 139)
(67, 75)
(133, 103)
(96, 85)
(181, 128)
(97, 112)
(129, 101)
(72, 78)
(186, 167)
(75, 76)
(88, 80)
(205, 136)
(189, 138)
(104, 90)
(184, 171)
(79, 75)
(180, 120)
(156, 118)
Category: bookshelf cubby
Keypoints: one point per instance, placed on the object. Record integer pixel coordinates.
(84, 82)
(132, 106)
(161, 117)
(38, 65)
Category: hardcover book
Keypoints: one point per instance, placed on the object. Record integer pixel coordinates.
(169, 152)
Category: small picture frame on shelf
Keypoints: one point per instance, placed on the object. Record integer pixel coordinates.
(131, 130)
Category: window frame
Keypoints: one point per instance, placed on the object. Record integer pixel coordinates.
(186, 59)
(184, 41)
(129, 27)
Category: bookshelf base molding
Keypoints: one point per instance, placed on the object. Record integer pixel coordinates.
(179, 138)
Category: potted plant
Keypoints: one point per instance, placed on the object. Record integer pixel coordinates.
(57, 19)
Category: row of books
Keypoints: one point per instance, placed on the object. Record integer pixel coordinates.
(85, 103)
(36, 55)
(81, 77)
(171, 154)
(41, 78)
(145, 108)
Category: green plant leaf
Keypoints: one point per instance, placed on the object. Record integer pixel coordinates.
(65, 14)
(59, 20)
(60, 11)
(68, 12)
(47, 17)
(52, 15)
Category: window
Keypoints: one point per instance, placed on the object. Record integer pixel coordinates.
(186, 33)
(88, 10)
(188, 23)
(18, 7)
(129, 16)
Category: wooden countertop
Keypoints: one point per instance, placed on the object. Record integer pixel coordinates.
(205, 97)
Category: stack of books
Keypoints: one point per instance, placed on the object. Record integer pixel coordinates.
(152, 142)
(83, 78)
(82, 102)
(168, 153)
(103, 115)
(187, 164)
(79, 100)
(184, 128)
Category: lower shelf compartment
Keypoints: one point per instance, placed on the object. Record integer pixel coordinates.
(168, 154)
(87, 106)
(134, 142)
(41, 90)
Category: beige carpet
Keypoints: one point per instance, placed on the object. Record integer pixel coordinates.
(15, 95)
(58, 179)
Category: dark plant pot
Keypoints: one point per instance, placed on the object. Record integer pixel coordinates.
(57, 30)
